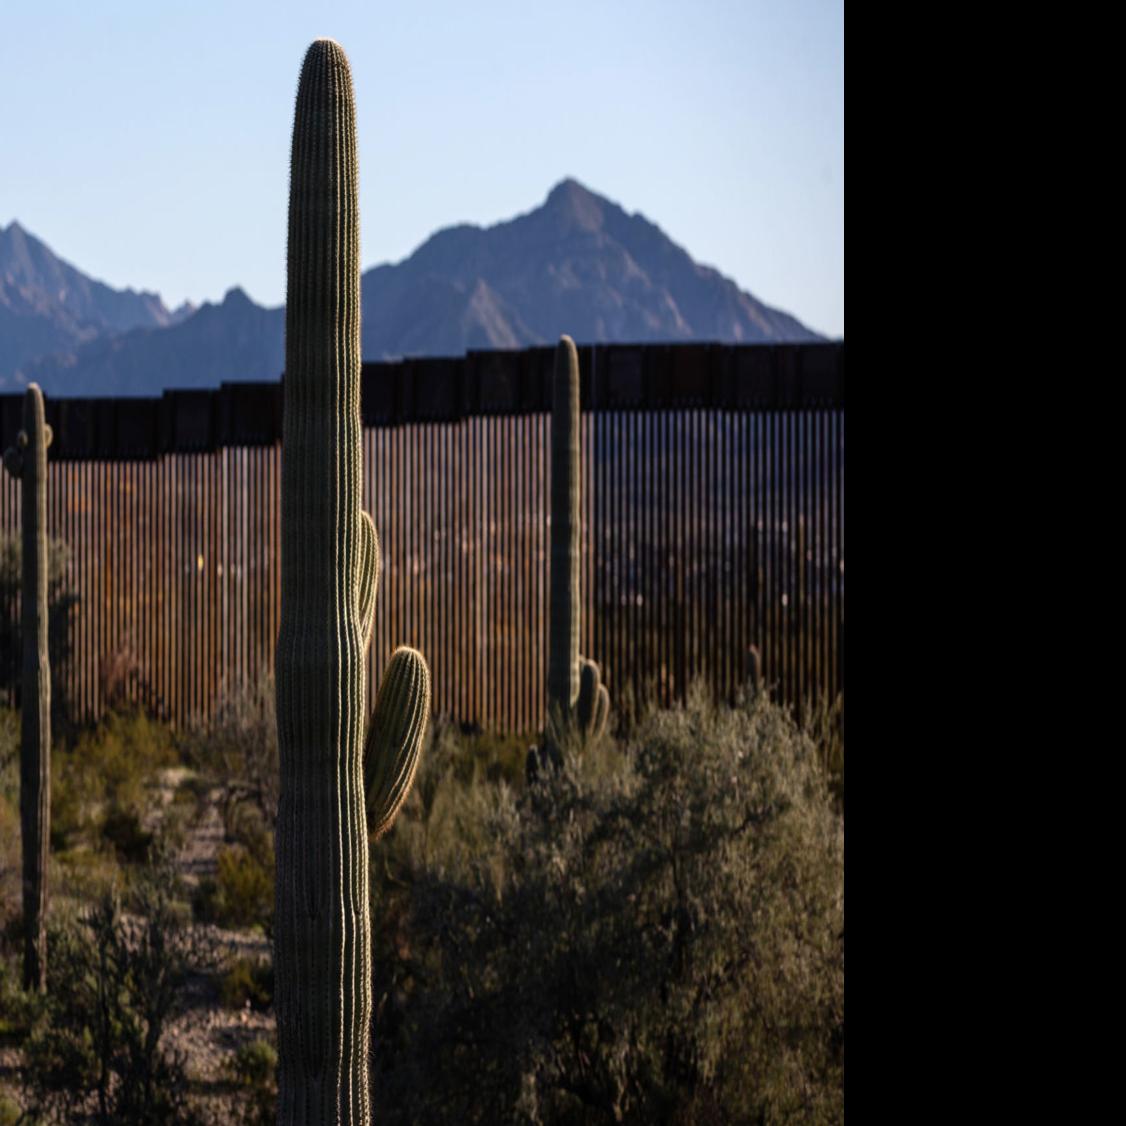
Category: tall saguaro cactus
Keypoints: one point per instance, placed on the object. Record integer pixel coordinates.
(576, 697)
(27, 461)
(334, 783)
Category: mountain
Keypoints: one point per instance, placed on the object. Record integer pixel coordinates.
(236, 339)
(577, 264)
(47, 306)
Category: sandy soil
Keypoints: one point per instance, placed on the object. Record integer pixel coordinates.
(206, 1033)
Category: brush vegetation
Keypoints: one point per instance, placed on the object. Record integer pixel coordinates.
(651, 933)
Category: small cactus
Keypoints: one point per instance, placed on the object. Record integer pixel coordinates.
(339, 788)
(27, 461)
(593, 705)
(754, 670)
(576, 698)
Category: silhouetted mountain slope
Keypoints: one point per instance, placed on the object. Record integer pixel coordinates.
(46, 305)
(234, 340)
(578, 264)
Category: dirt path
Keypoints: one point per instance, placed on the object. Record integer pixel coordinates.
(206, 1034)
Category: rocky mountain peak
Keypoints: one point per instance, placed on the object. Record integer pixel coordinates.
(575, 206)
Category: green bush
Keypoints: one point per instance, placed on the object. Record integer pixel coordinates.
(10, 843)
(825, 722)
(116, 977)
(238, 751)
(654, 933)
(10, 1112)
(101, 788)
(487, 755)
(255, 1062)
(122, 829)
(9, 753)
(246, 826)
(255, 1070)
(238, 754)
(240, 895)
(248, 982)
(18, 1009)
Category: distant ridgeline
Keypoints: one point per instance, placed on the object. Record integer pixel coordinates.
(614, 377)
(577, 264)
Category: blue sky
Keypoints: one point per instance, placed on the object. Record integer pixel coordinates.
(148, 143)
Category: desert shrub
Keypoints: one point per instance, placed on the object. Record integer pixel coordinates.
(248, 982)
(486, 755)
(255, 1062)
(101, 787)
(246, 826)
(10, 1111)
(448, 814)
(10, 847)
(80, 877)
(9, 752)
(652, 933)
(824, 720)
(121, 828)
(116, 978)
(61, 600)
(205, 901)
(17, 1009)
(238, 750)
(254, 1068)
(241, 894)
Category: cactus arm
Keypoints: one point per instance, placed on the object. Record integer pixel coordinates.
(601, 712)
(369, 576)
(588, 696)
(594, 701)
(395, 738)
(754, 669)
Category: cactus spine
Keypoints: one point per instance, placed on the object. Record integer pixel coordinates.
(27, 461)
(576, 698)
(334, 782)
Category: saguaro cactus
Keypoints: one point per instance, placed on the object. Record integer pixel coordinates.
(576, 697)
(334, 782)
(27, 460)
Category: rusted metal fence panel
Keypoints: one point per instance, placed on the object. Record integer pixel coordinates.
(714, 522)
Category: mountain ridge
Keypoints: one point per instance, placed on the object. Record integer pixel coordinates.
(576, 264)
(48, 305)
